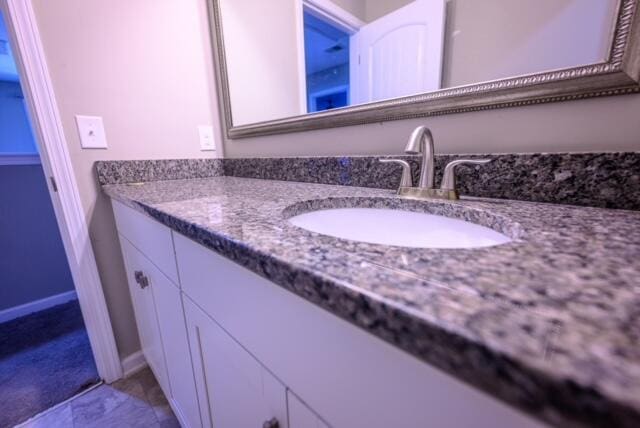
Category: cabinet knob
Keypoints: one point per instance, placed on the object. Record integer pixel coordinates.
(141, 279)
(272, 423)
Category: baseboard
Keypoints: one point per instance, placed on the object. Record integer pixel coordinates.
(133, 363)
(36, 306)
(19, 159)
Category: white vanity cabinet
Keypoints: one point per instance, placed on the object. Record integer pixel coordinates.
(349, 377)
(260, 355)
(159, 313)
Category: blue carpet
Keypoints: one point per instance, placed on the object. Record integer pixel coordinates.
(45, 358)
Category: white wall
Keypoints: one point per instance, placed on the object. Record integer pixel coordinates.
(357, 8)
(146, 67)
(607, 124)
(523, 37)
(261, 44)
(377, 8)
(370, 10)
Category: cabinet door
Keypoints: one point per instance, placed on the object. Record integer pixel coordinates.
(176, 351)
(239, 392)
(141, 278)
(301, 416)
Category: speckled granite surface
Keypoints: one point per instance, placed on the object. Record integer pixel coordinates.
(138, 171)
(607, 180)
(549, 322)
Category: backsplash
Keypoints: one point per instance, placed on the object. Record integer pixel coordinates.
(607, 180)
(119, 172)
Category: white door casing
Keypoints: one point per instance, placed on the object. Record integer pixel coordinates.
(56, 162)
(399, 54)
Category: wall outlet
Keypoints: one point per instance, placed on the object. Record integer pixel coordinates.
(207, 140)
(91, 130)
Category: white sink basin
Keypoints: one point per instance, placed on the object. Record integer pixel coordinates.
(398, 228)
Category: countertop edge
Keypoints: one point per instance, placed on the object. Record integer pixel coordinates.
(476, 363)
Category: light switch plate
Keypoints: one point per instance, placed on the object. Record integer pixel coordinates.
(91, 130)
(207, 140)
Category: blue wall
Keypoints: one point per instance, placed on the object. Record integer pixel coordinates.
(327, 64)
(7, 63)
(15, 129)
(33, 264)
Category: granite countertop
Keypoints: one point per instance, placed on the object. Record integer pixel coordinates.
(549, 322)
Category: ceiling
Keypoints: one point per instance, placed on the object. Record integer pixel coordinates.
(325, 46)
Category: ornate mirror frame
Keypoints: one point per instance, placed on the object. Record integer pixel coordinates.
(619, 75)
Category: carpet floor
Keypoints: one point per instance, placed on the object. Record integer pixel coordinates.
(45, 359)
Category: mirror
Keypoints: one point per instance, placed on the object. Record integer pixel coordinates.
(289, 65)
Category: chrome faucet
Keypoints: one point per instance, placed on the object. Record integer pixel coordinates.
(421, 142)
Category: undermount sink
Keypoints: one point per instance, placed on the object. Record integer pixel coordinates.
(398, 228)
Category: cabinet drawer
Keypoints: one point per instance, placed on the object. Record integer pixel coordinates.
(147, 235)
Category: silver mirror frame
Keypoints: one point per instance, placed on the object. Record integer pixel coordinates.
(619, 75)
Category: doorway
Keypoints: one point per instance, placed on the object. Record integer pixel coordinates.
(45, 352)
(326, 49)
(351, 50)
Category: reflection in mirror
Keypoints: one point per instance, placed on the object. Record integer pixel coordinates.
(310, 56)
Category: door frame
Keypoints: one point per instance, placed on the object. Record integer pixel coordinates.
(333, 13)
(29, 54)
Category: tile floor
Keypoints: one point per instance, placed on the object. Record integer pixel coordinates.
(134, 402)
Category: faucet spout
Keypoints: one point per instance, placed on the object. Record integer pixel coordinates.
(421, 142)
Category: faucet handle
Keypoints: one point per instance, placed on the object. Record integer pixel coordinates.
(449, 178)
(406, 180)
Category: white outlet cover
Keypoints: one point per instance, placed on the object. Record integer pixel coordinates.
(91, 130)
(207, 139)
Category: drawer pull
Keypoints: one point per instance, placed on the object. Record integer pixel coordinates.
(141, 279)
(272, 423)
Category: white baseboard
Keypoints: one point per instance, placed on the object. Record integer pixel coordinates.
(36, 306)
(133, 363)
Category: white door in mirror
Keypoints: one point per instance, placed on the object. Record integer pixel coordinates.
(91, 130)
(399, 54)
(398, 228)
